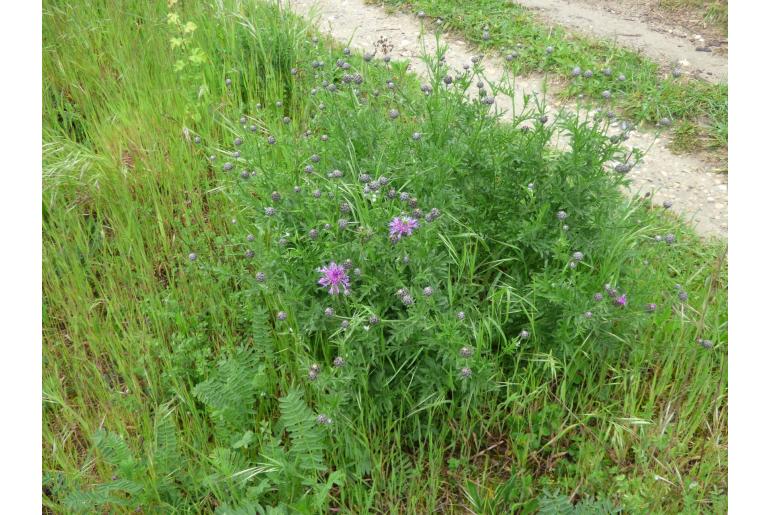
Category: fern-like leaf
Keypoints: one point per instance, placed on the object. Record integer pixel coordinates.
(307, 438)
(231, 391)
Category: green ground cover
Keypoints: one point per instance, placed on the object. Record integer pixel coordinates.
(192, 362)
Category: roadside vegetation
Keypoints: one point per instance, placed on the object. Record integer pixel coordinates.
(713, 13)
(280, 277)
(646, 92)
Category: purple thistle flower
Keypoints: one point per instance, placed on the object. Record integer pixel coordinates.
(334, 275)
(281, 315)
(621, 301)
(402, 226)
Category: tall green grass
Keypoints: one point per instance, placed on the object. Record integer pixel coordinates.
(168, 383)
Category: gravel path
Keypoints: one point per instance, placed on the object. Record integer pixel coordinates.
(630, 25)
(698, 195)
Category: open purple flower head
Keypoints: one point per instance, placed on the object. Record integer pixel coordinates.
(334, 276)
(402, 226)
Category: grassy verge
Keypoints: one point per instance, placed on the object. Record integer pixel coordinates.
(648, 93)
(177, 377)
(712, 12)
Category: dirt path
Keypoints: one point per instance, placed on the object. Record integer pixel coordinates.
(698, 195)
(635, 24)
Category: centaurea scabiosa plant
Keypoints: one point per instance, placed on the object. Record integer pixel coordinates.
(334, 276)
(402, 226)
